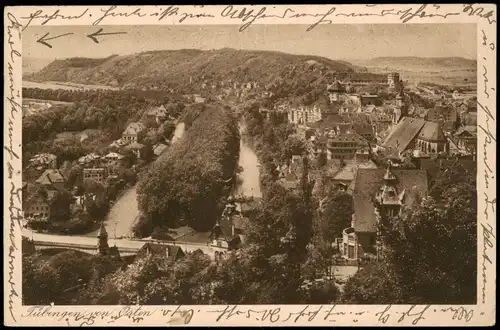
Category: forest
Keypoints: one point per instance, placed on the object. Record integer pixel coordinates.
(189, 183)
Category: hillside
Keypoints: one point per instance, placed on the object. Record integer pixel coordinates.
(177, 67)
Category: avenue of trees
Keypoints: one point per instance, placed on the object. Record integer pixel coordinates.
(191, 181)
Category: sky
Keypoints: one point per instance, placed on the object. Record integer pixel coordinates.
(335, 41)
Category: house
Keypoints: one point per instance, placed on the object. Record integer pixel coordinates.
(159, 114)
(466, 139)
(159, 148)
(136, 147)
(113, 158)
(443, 114)
(131, 132)
(369, 99)
(170, 253)
(344, 146)
(44, 161)
(365, 130)
(304, 114)
(228, 230)
(344, 177)
(37, 205)
(379, 194)
(51, 179)
(89, 160)
(117, 144)
(335, 90)
(97, 174)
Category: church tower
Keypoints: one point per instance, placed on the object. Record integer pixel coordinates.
(102, 240)
(401, 109)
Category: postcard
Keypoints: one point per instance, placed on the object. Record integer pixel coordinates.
(258, 165)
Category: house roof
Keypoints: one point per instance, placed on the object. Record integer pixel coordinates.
(431, 132)
(348, 137)
(174, 251)
(368, 183)
(440, 111)
(134, 128)
(50, 176)
(404, 133)
(362, 128)
(113, 155)
(135, 146)
(467, 130)
(43, 158)
(88, 158)
(158, 111)
(159, 148)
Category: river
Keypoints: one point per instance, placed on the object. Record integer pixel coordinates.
(249, 179)
(125, 210)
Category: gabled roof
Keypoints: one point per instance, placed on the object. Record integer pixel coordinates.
(369, 181)
(159, 148)
(134, 128)
(431, 132)
(50, 176)
(113, 155)
(135, 146)
(404, 133)
(174, 251)
(467, 131)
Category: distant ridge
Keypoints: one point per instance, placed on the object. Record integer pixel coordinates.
(167, 67)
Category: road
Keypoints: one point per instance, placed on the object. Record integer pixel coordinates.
(120, 243)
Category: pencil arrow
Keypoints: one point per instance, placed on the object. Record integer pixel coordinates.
(43, 40)
(98, 33)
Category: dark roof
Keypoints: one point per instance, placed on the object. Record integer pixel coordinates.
(431, 132)
(362, 128)
(369, 181)
(441, 111)
(174, 251)
(404, 133)
(50, 176)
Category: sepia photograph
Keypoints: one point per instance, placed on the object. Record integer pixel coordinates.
(200, 165)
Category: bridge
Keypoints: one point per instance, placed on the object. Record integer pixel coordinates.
(126, 246)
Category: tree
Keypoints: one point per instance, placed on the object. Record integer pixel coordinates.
(322, 159)
(422, 254)
(335, 215)
(40, 282)
(268, 268)
(59, 206)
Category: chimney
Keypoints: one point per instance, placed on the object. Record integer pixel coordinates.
(232, 229)
(167, 254)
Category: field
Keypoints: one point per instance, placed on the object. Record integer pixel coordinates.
(64, 85)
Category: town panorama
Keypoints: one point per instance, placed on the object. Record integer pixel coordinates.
(251, 171)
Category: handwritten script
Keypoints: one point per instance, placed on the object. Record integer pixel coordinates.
(489, 163)
(247, 15)
(12, 110)
(183, 315)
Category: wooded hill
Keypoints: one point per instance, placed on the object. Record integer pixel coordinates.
(173, 68)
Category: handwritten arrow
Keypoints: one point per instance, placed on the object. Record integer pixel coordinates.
(98, 33)
(43, 40)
